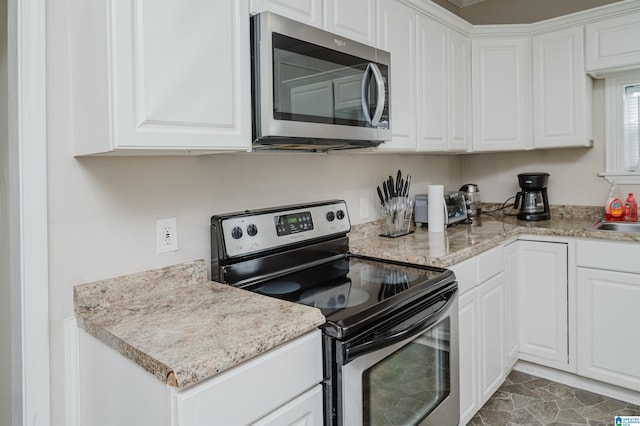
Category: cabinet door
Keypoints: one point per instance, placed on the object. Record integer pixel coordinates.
(306, 11)
(397, 34)
(543, 303)
(491, 302)
(433, 85)
(512, 272)
(459, 92)
(161, 75)
(501, 94)
(612, 44)
(305, 410)
(608, 327)
(469, 355)
(561, 91)
(355, 19)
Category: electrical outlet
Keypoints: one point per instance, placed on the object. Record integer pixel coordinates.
(166, 235)
(364, 208)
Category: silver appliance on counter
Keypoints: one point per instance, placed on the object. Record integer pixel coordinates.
(314, 90)
(380, 314)
(454, 205)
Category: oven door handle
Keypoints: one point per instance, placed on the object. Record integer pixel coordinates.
(418, 326)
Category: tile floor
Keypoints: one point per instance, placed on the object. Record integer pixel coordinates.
(528, 400)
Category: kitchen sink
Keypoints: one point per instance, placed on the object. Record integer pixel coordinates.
(603, 225)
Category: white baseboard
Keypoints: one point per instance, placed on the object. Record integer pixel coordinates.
(576, 381)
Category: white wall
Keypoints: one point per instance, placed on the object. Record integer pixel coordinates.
(5, 295)
(573, 172)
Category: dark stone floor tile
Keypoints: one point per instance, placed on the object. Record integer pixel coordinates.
(519, 389)
(560, 390)
(544, 394)
(569, 403)
(501, 404)
(544, 412)
(519, 377)
(495, 418)
(588, 398)
(536, 383)
(570, 416)
(524, 417)
(611, 406)
(521, 401)
(594, 414)
(627, 412)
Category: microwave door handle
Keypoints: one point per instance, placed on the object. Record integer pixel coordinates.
(372, 69)
(364, 98)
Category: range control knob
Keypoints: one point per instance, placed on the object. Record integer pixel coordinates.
(340, 214)
(236, 233)
(252, 230)
(331, 216)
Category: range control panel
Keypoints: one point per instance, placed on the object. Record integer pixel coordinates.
(249, 232)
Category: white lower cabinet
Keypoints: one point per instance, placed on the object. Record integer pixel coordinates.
(608, 299)
(482, 315)
(279, 387)
(543, 303)
(491, 304)
(469, 355)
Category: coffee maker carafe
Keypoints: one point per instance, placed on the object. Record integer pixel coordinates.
(532, 201)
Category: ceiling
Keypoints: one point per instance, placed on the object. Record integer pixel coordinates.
(463, 3)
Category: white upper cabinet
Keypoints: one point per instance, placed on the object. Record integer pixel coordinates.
(613, 44)
(562, 92)
(444, 87)
(160, 76)
(459, 92)
(443, 82)
(433, 85)
(397, 35)
(306, 11)
(354, 19)
(501, 94)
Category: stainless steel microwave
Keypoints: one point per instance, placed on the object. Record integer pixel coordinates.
(314, 90)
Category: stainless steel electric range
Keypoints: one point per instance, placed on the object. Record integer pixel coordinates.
(391, 338)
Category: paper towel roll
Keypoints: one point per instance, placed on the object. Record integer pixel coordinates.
(435, 210)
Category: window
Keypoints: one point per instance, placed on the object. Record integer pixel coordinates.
(622, 133)
(631, 135)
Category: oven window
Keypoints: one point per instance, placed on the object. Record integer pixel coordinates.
(405, 387)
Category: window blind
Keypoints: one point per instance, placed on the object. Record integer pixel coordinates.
(631, 127)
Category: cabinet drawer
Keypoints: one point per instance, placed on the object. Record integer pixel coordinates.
(267, 382)
(490, 263)
(466, 274)
(613, 256)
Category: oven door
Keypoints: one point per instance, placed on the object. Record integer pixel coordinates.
(405, 373)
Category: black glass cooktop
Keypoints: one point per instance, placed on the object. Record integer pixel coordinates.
(352, 290)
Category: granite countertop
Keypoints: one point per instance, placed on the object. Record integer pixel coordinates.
(462, 241)
(183, 328)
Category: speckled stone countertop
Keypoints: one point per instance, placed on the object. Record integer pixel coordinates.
(463, 241)
(183, 328)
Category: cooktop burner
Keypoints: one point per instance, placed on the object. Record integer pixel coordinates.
(278, 287)
(347, 288)
(340, 296)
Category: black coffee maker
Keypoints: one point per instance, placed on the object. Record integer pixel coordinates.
(532, 201)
